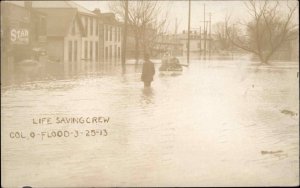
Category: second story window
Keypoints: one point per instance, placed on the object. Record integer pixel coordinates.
(86, 24)
(116, 33)
(110, 32)
(119, 35)
(91, 26)
(97, 28)
(85, 49)
(73, 28)
(106, 33)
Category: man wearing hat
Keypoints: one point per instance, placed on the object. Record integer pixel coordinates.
(148, 71)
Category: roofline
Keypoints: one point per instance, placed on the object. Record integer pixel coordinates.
(91, 13)
(70, 24)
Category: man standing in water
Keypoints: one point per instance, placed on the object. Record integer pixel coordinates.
(148, 72)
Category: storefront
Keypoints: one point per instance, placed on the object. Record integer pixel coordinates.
(21, 31)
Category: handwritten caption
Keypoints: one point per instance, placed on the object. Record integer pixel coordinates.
(101, 129)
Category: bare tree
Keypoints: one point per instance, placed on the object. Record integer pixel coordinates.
(267, 31)
(145, 20)
(221, 36)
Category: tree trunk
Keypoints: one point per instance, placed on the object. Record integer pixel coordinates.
(137, 52)
(264, 60)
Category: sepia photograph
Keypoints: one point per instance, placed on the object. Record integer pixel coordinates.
(149, 93)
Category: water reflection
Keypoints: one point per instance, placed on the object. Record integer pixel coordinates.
(214, 115)
(147, 96)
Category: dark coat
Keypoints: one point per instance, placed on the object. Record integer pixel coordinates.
(148, 71)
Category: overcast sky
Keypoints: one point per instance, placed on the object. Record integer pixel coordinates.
(179, 10)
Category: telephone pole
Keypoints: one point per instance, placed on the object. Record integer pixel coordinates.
(125, 36)
(209, 35)
(204, 32)
(188, 44)
(200, 44)
(189, 28)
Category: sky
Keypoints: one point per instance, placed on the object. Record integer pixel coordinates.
(179, 10)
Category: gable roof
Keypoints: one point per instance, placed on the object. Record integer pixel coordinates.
(60, 15)
(61, 4)
(55, 4)
(80, 8)
(59, 21)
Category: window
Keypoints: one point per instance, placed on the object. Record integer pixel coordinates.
(119, 35)
(116, 34)
(91, 50)
(106, 33)
(86, 25)
(106, 53)
(115, 54)
(73, 29)
(91, 26)
(70, 51)
(85, 49)
(96, 51)
(97, 28)
(75, 51)
(110, 37)
(110, 52)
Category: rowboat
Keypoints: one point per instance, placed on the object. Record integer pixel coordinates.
(170, 64)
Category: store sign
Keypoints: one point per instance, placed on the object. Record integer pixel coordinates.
(19, 36)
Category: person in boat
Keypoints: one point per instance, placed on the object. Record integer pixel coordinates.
(170, 64)
(148, 71)
(165, 58)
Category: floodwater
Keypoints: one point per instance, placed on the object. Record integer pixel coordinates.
(218, 123)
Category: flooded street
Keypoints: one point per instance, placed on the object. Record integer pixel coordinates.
(218, 123)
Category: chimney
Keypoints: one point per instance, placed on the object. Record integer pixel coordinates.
(97, 11)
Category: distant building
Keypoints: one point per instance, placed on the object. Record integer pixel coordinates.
(71, 34)
(177, 44)
(75, 36)
(112, 37)
(23, 29)
(70, 40)
(199, 42)
(169, 44)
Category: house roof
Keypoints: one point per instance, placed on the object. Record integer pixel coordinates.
(80, 8)
(59, 21)
(60, 15)
(55, 4)
(19, 3)
(61, 4)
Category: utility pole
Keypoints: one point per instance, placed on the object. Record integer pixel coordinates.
(200, 44)
(204, 32)
(209, 34)
(125, 36)
(176, 27)
(188, 47)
